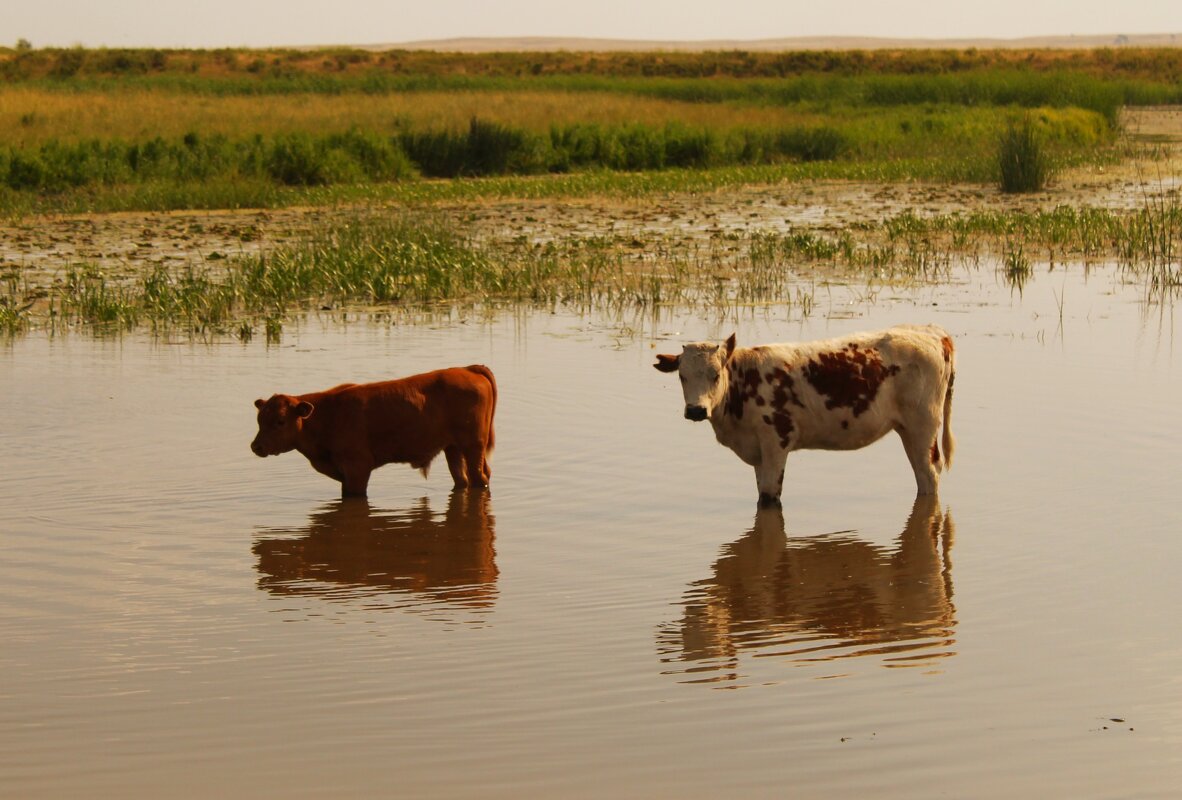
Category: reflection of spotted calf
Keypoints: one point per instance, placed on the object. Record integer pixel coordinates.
(839, 394)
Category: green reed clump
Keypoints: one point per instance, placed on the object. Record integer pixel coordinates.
(90, 296)
(1151, 245)
(1015, 265)
(397, 259)
(484, 148)
(13, 316)
(1022, 159)
(188, 297)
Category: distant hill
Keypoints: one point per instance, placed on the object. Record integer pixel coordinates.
(574, 44)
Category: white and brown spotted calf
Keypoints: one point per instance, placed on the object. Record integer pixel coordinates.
(838, 394)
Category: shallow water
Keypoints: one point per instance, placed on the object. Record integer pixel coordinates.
(181, 619)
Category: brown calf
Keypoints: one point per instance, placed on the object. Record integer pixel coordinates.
(350, 430)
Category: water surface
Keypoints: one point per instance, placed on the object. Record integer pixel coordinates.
(616, 618)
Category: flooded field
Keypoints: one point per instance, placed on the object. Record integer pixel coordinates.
(615, 619)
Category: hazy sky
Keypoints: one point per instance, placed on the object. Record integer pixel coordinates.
(217, 23)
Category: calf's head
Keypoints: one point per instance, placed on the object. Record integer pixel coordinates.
(702, 369)
(280, 420)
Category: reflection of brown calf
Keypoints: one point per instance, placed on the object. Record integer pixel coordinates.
(349, 431)
(450, 561)
(821, 598)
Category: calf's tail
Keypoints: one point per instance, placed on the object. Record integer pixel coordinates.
(486, 373)
(949, 442)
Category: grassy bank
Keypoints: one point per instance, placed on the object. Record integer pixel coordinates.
(101, 130)
(293, 165)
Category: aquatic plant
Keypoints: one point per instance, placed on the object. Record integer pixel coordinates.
(396, 263)
(14, 305)
(1151, 244)
(89, 296)
(406, 262)
(1015, 266)
(13, 318)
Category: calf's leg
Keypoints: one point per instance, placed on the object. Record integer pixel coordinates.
(455, 465)
(769, 473)
(356, 482)
(924, 455)
(478, 470)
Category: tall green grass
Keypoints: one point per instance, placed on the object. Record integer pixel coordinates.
(354, 157)
(486, 148)
(296, 159)
(1022, 159)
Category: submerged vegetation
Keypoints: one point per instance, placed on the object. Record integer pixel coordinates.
(384, 265)
(405, 263)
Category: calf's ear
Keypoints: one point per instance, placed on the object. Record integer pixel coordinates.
(730, 347)
(667, 363)
(304, 409)
(259, 403)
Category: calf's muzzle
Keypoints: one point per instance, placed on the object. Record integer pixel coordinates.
(695, 413)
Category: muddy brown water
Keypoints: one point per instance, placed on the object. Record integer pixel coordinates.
(179, 618)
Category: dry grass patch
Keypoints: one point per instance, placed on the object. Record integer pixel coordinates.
(32, 116)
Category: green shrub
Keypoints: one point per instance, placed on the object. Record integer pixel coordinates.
(439, 154)
(812, 144)
(376, 158)
(294, 160)
(486, 148)
(25, 171)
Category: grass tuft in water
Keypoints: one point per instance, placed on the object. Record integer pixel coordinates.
(1015, 266)
(90, 296)
(1152, 245)
(13, 318)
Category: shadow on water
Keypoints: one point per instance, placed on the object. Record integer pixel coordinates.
(809, 600)
(412, 559)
